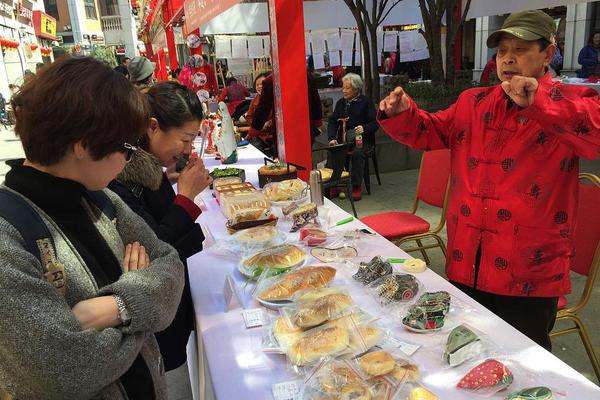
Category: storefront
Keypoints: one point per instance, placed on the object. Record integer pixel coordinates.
(45, 29)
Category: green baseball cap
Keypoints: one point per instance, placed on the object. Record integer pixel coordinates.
(525, 25)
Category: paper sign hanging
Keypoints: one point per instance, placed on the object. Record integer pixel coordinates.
(222, 47)
(239, 47)
(333, 41)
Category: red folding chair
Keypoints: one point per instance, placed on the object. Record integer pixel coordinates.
(586, 262)
(433, 189)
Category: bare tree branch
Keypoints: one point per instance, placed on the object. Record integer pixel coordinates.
(380, 21)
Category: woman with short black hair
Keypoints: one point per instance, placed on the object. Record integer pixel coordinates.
(80, 313)
(176, 114)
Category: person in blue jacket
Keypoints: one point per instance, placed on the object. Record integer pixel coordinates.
(589, 57)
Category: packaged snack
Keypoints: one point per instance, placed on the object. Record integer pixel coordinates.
(420, 393)
(285, 286)
(312, 235)
(462, 345)
(414, 265)
(285, 191)
(335, 379)
(328, 340)
(373, 270)
(316, 312)
(254, 239)
(247, 207)
(489, 377)
(533, 393)
(218, 182)
(276, 259)
(395, 288)
(339, 254)
(304, 215)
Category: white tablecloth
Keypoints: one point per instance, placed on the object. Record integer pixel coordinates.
(240, 370)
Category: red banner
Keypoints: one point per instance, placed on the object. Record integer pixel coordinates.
(198, 12)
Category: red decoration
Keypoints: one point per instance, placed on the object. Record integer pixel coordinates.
(46, 51)
(8, 43)
(33, 46)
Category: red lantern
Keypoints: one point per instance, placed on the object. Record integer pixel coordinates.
(33, 46)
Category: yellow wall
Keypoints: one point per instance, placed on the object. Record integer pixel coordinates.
(92, 24)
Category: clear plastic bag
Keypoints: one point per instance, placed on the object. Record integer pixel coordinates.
(395, 288)
(390, 365)
(326, 308)
(274, 260)
(414, 391)
(283, 192)
(279, 336)
(488, 377)
(333, 379)
(369, 272)
(245, 207)
(252, 240)
(283, 287)
(428, 313)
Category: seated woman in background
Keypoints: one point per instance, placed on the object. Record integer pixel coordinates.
(354, 116)
(233, 92)
(176, 113)
(80, 313)
(589, 57)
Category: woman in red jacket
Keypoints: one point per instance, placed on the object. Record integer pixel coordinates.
(514, 176)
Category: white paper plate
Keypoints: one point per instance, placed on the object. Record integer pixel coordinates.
(275, 305)
(422, 330)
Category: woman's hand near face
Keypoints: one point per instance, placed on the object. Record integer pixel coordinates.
(193, 179)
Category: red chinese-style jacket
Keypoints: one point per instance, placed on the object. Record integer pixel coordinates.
(514, 182)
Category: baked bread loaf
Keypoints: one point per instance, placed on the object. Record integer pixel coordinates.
(305, 296)
(421, 393)
(377, 363)
(406, 372)
(304, 278)
(320, 343)
(282, 256)
(355, 391)
(321, 310)
(276, 169)
(364, 338)
(285, 333)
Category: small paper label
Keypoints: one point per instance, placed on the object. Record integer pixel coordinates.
(287, 391)
(254, 317)
(230, 294)
(390, 342)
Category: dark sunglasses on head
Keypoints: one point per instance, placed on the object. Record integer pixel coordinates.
(130, 149)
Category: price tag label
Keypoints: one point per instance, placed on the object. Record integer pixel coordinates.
(254, 317)
(390, 343)
(287, 391)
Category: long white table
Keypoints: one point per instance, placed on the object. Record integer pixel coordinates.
(240, 370)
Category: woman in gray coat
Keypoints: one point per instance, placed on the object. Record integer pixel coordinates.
(79, 312)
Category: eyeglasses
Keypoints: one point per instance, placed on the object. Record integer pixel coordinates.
(130, 149)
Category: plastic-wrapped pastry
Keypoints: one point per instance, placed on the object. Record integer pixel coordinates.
(377, 363)
(318, 343)
(304, 215)
(321, 310)
(279, 257)
(303, 278)
(289, 190)
(421, 393)
(285, 333)
(246, 207)
(414, 265)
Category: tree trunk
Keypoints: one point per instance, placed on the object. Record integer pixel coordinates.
(375, 86)
(451, 29)
(366, 62)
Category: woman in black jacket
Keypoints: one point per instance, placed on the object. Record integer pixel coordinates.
(176, 117)
(354, 115)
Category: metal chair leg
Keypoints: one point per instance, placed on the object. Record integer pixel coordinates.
(423, 252)
(367, 178)
(587, 343)
(349, 195)
(441, 243)
(376, 165)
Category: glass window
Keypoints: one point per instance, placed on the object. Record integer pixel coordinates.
(90, 9)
